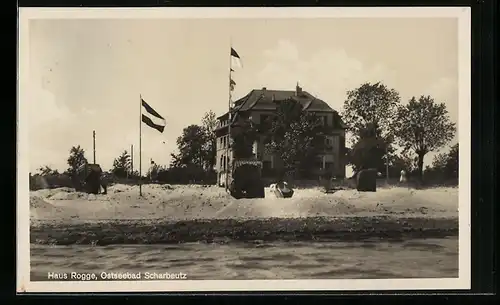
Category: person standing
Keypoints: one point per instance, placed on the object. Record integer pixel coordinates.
(402, 177)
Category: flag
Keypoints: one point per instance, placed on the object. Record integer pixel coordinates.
(152, 118)
(235, 58)
(232, 83)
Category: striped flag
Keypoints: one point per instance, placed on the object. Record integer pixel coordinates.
(152, 118)
(235, 58)
(232, 83)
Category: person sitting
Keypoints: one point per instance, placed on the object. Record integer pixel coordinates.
(282, 186)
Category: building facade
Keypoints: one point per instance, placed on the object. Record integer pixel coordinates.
(257, 106)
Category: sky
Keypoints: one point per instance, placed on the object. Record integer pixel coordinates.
(88, 74)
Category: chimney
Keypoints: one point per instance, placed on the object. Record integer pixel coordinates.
(298, 90)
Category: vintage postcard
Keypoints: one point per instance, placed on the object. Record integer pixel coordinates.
(241, 149)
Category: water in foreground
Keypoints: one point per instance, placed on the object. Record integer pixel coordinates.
(415, 258)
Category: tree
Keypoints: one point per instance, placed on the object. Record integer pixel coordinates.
(191, 145)
(122, 165)
(445, 165)
(76, 159)
(368, 114)
(294, 135)
(209, 123)
(176, 161)
(423, 126)
(370, 150)
(370, 104)
(452, 164)
(404, 161)
(155, 170)
(47, 171)
(243, 135)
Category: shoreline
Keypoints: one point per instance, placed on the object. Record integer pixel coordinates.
(162, 231)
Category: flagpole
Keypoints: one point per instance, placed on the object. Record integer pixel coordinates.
(229, 115)
(132, 159)
(140, 145)
(93, 143)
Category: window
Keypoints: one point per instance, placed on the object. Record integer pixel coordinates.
(267, 170)
(328, 170)
(265, 119)
(318, 163)
(328, 142)
(329, 166)
(266, 165)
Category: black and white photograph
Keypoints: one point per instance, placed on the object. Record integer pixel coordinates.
(240, 149)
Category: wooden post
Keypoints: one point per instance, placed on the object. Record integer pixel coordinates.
(93, 143)
(132, 159)
(140, 145)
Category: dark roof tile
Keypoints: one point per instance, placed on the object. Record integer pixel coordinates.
(260, 99)
(264, 99)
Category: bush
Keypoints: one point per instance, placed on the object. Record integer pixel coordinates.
(38, 182)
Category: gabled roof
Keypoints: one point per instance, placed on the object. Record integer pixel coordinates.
(263, 99)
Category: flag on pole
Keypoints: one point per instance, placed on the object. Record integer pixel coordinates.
(232, 83)
(235, 58)
(152, 118)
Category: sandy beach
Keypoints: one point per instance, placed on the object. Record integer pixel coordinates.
(187, 213)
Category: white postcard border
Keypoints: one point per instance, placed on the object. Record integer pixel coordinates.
(464, 131)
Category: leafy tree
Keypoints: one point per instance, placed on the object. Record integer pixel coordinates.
(452, 164)
(423, 126)
(368, 113)
(122, 165)
(370, 104)
(191, 145)
(243, 136)
(404, 161)
(294, 135)
(176, 161)
(370, 150)
(155, 170)
(76, 159)
(445, 165)
(47, 171)
(209, 124)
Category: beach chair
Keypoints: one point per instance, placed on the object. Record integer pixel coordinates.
(367, 180)
(282, 190)
(333, 185)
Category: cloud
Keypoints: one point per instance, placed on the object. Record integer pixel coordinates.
(330, 73)
(327, 73)
(43, 111)
(445, 90)
(43, 108)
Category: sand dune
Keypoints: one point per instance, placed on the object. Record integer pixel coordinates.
(184, 202)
